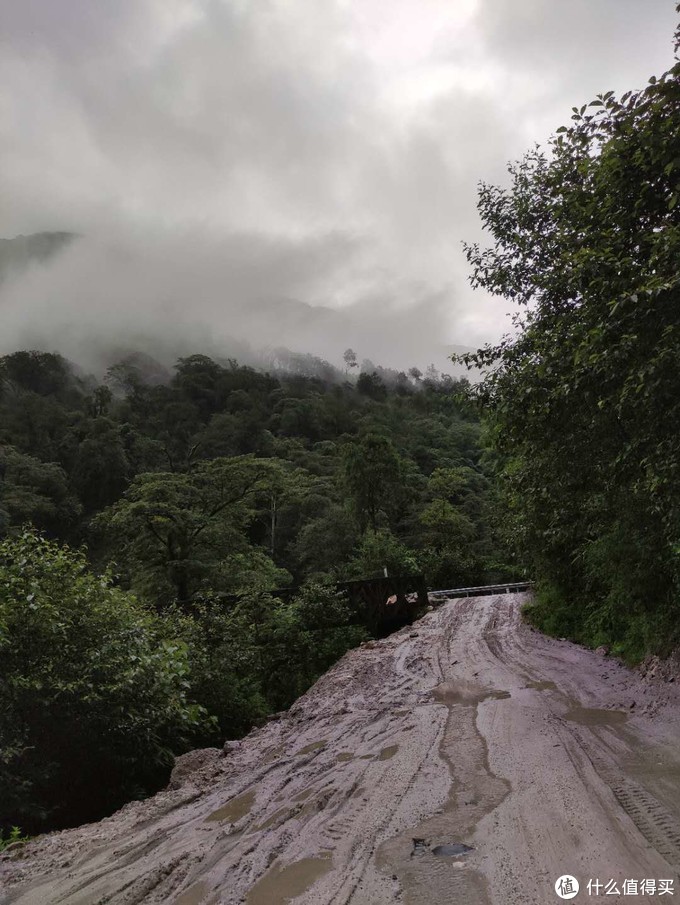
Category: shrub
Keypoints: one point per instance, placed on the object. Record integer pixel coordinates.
(93, 697)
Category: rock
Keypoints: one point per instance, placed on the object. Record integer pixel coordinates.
(603, 650)
(230, 746)
(420, 846)
(14, 847)
(191, 762)
(273, 717)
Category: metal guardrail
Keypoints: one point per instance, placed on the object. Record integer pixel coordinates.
(513, 587)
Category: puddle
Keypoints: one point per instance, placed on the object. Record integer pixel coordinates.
(388, 753)
(443, 874)
(451, 849)
(302, 795)
(365, 757)
(194, 895)
(233, 810)
(313, 747)
(542, 686)
(282, 884)
(591, 716)
(465, 692)
(270, 821)
(446, 850)
(344, 756)
(274, 754)
(312, 807)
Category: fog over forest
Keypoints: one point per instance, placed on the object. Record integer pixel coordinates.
(280, 174)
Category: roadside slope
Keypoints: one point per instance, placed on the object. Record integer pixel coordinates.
(468, 728)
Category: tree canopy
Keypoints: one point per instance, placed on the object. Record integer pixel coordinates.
(584, 396)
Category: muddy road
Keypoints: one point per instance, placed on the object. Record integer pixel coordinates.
(466, 759)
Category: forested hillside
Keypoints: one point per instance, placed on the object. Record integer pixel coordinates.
(583, 400)
(194, 496)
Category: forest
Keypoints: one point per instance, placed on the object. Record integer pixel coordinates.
(149, 519)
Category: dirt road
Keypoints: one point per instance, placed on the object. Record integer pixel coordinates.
(467, 731)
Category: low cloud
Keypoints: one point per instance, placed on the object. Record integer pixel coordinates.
(279, 173)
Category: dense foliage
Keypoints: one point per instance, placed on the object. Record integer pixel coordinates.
(94, 688)
(198, 494)
(584, 400)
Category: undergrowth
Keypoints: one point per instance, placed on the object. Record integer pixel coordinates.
(631, 632)
(11, 836)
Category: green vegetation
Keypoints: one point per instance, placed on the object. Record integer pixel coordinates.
(150, 522)
(584, 400)
(12, 836)
(94, 687)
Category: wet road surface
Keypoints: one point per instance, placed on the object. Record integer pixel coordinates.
(466, 759)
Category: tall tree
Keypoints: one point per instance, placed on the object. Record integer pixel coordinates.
(372, 475)
(173, 531)
(35, 492)
(585, 397)
(350, 359)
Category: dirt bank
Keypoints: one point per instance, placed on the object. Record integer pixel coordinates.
(468, 759)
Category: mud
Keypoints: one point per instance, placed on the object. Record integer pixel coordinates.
(593, 716)
(283, 883)
(467, 759)
(388, 753)
(235, 809)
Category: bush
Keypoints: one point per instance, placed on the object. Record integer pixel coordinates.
(630, 632)
(255, 654)
(310, 634)
(294, 642)
(225, 665)
(380, 549)
(93, 697)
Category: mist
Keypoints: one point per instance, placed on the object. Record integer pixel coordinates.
(241, 297)
(244, 176)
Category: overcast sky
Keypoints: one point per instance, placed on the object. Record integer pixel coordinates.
(221, 154)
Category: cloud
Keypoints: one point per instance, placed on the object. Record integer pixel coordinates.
(229, 163)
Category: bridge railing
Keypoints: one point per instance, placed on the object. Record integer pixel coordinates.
(513, 587)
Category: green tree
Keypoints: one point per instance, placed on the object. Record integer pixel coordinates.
(324, 543)
(100, 470)
(35, 492)
(350, 359)
(585, 397)
(372, 475)
(43, 373)
(198, 379)
(93, 696)
(380, 550)
(371, 385)
(173, 531)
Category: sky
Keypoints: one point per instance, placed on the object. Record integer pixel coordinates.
(224, 161)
